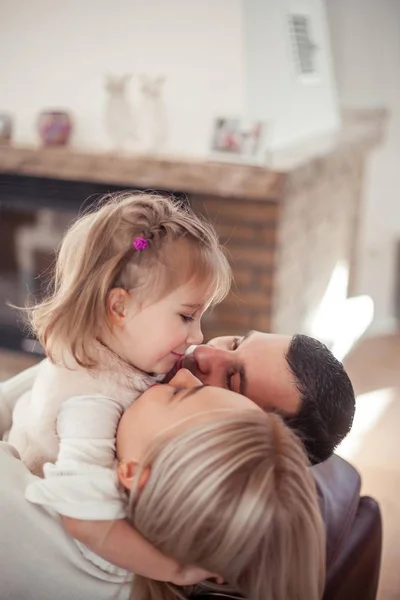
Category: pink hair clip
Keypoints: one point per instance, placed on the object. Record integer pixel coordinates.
(140, 244)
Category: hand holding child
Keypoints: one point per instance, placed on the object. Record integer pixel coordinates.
(190, 575)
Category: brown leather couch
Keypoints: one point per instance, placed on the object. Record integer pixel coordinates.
(354, 534)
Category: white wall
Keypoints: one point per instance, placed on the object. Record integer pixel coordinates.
(56, 53)
(296, 109)
(366, 47)
(221, 57)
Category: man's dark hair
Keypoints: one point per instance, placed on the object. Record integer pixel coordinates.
(327, 397)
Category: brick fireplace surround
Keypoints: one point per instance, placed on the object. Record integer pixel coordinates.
(285, 228)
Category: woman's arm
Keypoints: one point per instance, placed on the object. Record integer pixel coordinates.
(120, 544)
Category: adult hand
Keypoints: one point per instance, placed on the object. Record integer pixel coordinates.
(191, 575)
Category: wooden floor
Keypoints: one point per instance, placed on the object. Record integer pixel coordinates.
(373, 445)
(12, 363)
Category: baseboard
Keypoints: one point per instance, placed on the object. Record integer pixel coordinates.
(384, 326)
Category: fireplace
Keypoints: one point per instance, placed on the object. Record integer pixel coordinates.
(284, 229)
(34, 213)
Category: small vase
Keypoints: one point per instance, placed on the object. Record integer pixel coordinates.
(5, 128)
(54, 128)
(119, 113)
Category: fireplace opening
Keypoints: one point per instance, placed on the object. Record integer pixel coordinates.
(34, 213)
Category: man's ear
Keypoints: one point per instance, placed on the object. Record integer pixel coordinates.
(117, 305)
(127, 470)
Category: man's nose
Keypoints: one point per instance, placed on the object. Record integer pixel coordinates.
(184, 379)
(210, 359)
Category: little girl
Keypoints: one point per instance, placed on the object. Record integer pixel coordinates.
(132, 281)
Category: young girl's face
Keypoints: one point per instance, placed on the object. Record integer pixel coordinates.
(153, 336)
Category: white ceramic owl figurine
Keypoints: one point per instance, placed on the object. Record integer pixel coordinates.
(120, 121)
(152, 114)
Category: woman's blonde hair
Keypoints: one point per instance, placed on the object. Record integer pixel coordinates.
(235, 497)
(97, 254)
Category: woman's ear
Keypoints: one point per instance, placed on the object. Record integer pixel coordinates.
(117, 305)
(127, 470)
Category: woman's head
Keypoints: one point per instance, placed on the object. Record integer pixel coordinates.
(103, 276)
(226, 488)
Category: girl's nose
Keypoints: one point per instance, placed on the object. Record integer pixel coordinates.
(195, 336)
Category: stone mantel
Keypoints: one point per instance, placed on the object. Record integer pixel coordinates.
(147, 172)
(363, 130)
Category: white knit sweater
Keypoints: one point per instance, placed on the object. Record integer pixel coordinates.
(65, 425)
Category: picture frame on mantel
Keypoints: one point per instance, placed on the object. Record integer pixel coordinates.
(236, 139)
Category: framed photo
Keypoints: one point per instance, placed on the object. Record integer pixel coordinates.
(238, 138)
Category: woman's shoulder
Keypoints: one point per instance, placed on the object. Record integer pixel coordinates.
(14, 477)
(7, 451)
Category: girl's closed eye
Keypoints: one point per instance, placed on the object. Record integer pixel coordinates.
(187, 318)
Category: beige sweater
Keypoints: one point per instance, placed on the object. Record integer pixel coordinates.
(64, 428)
(35, 425)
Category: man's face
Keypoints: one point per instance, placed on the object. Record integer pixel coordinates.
(253, 365)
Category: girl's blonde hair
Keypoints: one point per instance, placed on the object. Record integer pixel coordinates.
(235, 497)
(97, 254)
